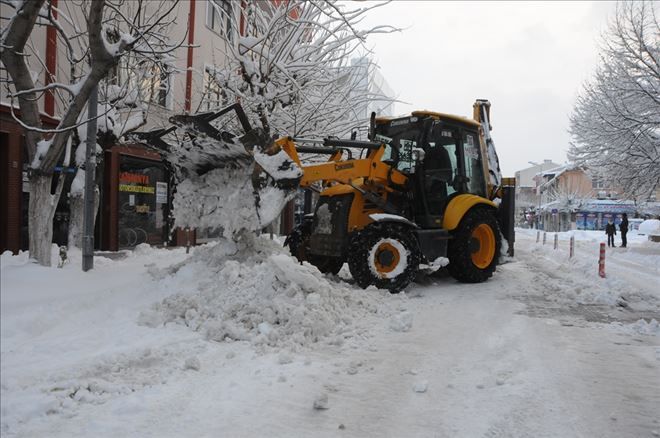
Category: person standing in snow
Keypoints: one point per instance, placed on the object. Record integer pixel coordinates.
(610, 230)
(623, 227)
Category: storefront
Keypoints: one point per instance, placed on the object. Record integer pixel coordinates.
(595, 214)
(135, 199)
(14, 185)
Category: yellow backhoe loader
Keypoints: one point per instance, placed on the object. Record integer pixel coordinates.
(426, 186)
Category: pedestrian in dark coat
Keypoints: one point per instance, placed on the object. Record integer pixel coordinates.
(623, 226)
(610, 230)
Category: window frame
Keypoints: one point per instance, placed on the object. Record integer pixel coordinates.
(208, 92)
(218, 18)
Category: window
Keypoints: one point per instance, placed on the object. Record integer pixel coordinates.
(143, 197)
(441, 163)
(219, 15)
(406, 142)
(156, 85)
(214, 96)
(473, 168)
(597, 182)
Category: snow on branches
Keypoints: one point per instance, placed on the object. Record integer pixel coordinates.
(290, 65)
(615, 124)
(95, 37)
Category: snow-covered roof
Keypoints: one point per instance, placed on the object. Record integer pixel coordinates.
(556, 173)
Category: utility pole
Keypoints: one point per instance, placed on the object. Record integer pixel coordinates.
(90, 170)
(538, 197)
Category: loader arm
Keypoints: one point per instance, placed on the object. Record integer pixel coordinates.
(372, 169)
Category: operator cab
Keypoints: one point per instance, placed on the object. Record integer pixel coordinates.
(440, 154)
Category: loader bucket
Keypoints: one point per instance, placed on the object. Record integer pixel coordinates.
(224, 180)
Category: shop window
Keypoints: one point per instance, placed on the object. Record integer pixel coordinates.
(142, 202)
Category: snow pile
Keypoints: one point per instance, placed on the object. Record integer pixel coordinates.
(252, 290)
(401, 322)
(650, 227)
(640, 327)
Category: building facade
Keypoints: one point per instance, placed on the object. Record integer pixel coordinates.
(527, 201)
(569, 197)
(135, 185)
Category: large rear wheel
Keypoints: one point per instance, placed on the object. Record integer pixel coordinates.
(475, 247)
(385, 255)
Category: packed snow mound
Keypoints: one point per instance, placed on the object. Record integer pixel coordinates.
(650, 227)
(252, 290)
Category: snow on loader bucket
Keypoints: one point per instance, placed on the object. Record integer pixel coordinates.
(223, 180)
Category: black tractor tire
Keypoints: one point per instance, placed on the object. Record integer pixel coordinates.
(298, 242)
(464, 247)
(380, 234)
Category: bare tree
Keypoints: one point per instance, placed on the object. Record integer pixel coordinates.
(616, 120)
(293, 61)
(111, 30)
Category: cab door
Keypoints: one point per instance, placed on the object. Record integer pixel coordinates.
(440, 174)
(475, 182)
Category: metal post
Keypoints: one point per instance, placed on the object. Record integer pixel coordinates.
(544, 237)
(90, 170)
(571, 248)
(538, 236)
(556, 242)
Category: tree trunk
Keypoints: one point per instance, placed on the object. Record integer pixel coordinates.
(41, 211)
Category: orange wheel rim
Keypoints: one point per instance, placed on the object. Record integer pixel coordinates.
(385, 268)
(482, 256)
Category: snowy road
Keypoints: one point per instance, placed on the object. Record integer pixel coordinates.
(545, 348)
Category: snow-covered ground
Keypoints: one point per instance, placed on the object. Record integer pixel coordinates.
(239, 340)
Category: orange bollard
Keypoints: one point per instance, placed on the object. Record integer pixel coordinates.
(601, 261)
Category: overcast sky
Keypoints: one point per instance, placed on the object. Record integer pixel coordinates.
(528, 59)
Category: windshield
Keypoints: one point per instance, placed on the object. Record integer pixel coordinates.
(400, 140)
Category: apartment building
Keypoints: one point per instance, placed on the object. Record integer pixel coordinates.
(135, 184)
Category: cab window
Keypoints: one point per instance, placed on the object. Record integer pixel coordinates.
(473, 167)
(405, 142)
(442, 157)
